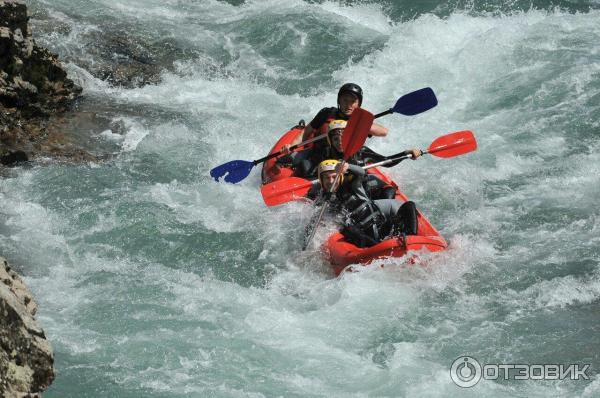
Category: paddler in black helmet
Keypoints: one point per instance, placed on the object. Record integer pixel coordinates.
(349, 98)
(332, 121)
(365, 222)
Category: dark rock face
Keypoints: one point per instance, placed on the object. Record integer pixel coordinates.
(26, 357)
(33, 88)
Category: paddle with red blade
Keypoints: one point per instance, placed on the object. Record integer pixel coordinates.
(354, 136)
(453, 144)
(292, 188)
(409, 104)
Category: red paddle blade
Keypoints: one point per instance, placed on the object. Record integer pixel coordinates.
(285, 190)
(356, 131)
(453, 144)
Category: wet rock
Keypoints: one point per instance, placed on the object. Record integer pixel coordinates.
(128, 59)
(131, 62)
(34, 89)
(13, 158)
(26, 357)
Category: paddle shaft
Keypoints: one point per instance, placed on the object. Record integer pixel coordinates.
(395, 158)
(314, 225)
(390, 160)
(409, 104)
(292, 148)
(391, 110)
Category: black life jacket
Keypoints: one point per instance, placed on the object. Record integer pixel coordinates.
(358, 210)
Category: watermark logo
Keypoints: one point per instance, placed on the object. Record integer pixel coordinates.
(467, 371)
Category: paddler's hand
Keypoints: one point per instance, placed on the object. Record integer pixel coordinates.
(415, 153)
(343, 169)
(286, 149)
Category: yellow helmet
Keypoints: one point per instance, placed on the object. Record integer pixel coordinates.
(333, 126)
(328, 165)
(336, 124)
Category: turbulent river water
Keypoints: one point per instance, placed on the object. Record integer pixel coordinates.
(153, 280)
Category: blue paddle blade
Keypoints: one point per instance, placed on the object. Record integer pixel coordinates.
(234, 171)
(416, 102)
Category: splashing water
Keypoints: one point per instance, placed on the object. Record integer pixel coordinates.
(153, 280)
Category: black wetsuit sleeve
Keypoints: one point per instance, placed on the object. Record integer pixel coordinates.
(358, 171)
(396, 155)
(367, 155)
(321, 118)
(359, 174)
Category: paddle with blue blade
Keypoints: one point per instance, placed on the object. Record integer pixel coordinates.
(409, 105)
(292, 188)
(354, 136)
(413, 103)
(237, 170)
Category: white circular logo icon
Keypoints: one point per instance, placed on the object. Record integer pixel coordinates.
(465, 372)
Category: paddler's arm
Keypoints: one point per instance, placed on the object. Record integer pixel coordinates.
(415, 153)
(356, 171)
(310, 129)
(377, 130)
(307, 132)
(367, 155)
(358, 174)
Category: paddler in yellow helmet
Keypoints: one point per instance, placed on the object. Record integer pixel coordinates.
(305, 162)
(328, 171)
(364, 222)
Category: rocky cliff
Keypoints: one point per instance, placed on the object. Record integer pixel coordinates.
(26, 358)
(34, 94)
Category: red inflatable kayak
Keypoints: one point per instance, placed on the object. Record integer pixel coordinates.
(341, 253)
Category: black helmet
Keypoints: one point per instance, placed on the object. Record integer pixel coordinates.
(352, 89)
